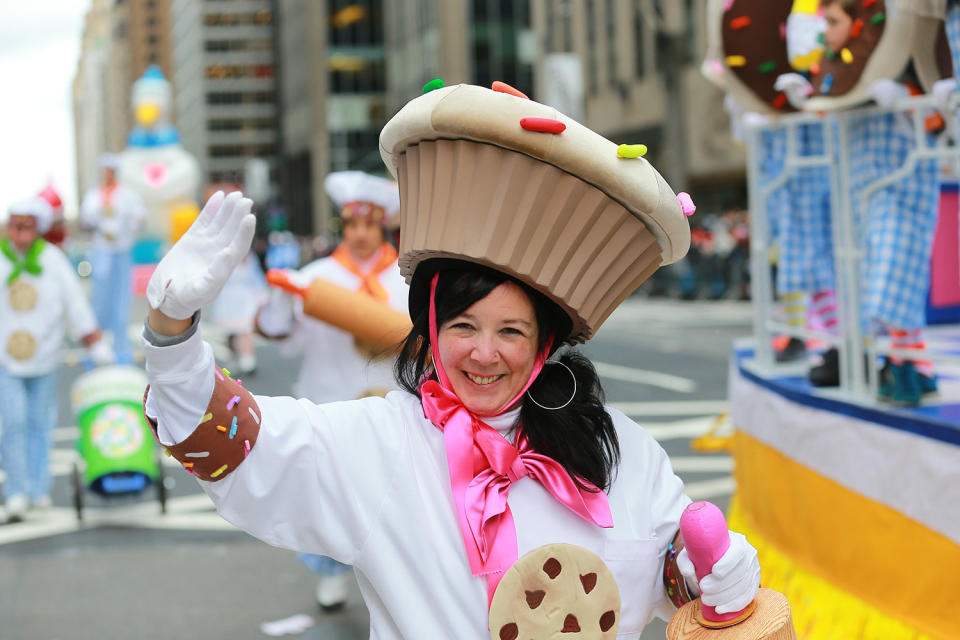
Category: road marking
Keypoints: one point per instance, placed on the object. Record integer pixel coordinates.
(678, 429)
(644, 376)
(701, 464)
(193, 512)
(681, 408)
(707, 489)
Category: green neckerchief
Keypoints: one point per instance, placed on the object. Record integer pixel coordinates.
(29, 262)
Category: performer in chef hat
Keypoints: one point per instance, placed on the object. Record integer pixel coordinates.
(337, 366)
(521, 231)
(41, 298)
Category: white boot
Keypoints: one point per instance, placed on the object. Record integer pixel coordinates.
(17, 507)
(332, 591)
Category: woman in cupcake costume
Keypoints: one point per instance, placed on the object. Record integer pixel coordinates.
(495, 489)
(41, 297)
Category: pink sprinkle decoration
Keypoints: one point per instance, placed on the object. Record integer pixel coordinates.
(686, 203)
(190, 471)
(728, 5)
(219, 375)
(542, 125)
(239, 382)
(235, 399)
(783, 30)
(246, 448)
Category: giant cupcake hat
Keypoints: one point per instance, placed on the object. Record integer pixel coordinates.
(491, 177)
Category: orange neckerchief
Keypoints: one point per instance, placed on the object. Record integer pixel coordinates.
(369, 283)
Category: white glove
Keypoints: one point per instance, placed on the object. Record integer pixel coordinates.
(946, 95)
(733, 582)
(195, 269)
(754, 120)
(795, 87)
(885, 92)
(101, 353)
(276, 317)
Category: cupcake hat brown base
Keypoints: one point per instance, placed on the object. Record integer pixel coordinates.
(558, 211)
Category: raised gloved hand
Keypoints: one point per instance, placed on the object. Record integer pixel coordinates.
(885, 92)
(795, 87)
(102, 353)
(946, 95)
(733, 582)
(195, 269)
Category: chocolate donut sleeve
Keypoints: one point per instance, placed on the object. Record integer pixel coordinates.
(673, 582)
(226, 434)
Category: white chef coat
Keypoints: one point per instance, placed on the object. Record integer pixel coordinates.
(366, 482)
(118, 231)
(60, 303)
(332, 368)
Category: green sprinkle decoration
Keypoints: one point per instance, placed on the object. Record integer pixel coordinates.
(878, 18)
(822, 38)
(768, 66)
(436, 83)
(830, 54)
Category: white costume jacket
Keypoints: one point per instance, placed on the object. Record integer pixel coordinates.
(115, 219)
(59, 302)
(366, 482)
(333, 368)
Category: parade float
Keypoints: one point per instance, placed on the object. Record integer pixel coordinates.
(851, 502)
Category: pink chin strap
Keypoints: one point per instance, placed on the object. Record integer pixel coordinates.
(438, 364)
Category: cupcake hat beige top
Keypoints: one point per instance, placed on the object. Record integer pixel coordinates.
(491, 177)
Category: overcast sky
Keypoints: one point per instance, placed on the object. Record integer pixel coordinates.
(39, 47)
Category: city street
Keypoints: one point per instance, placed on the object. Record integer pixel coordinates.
(127, 571)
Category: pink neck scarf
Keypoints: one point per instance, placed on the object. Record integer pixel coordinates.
(483, 465)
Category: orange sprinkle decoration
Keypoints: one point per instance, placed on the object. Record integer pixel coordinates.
(542, 125)
(503, 87)
(856, 27)
(188, 465)
(220, 427)
(740, 22)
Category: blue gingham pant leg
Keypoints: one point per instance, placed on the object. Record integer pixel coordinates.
(111, 296)
(773, 152)
(323, 565)
(805, 236)
(896, 226)
(28, 411)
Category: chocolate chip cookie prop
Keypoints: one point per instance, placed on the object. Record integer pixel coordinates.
(556, 591)
(877, 47)
(748, 36)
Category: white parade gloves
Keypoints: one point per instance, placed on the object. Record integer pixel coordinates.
(734, 580)
(946, 95)
(101, 353)
(195, 269)
(885, 92)
(795, 87)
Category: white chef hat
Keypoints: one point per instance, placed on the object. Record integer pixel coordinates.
(360, 194)
(36, 207)
(109, 161)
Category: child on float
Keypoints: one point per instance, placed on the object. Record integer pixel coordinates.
(895, 226)
(41, 299)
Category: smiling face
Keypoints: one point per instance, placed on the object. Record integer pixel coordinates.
(838, 25)
(22, 231)
(489, 350)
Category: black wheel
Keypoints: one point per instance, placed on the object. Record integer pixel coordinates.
(77, 480)
(161, 486)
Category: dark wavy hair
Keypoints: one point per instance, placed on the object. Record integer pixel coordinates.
(580, 436)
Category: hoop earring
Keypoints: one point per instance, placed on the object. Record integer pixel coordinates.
(572, 396)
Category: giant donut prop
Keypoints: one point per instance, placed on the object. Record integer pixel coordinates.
(879, 46)
(931, 52)
(749, 40)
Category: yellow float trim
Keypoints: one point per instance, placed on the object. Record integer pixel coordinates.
(851, 567)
